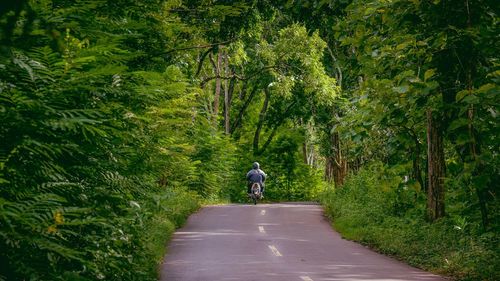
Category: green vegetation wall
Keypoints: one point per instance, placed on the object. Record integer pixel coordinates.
(103, 151)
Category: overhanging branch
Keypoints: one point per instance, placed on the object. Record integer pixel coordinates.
(200, 46)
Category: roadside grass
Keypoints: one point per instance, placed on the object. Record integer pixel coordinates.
(364, 212)
(166, 213)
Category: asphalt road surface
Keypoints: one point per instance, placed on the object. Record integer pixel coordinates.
(283, 242)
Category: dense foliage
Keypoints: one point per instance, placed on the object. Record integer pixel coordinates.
(102, 156)
(366, 209)
(119, 118)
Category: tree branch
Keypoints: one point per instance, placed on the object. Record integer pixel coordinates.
(200, 46)
(234, 76)
(202, 59)
(206, 80)
(242, 110)
(276, 126)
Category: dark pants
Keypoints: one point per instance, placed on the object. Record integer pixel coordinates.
(249, 188)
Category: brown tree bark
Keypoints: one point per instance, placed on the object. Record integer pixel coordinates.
(436, 169)
(304, 153)
(340, 167)
(329, 169)
(227, 95)
(227, 116)
(336, 164)
(217, 70)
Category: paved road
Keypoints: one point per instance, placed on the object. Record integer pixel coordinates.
(283, 242)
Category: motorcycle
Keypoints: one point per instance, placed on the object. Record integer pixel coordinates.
(256, 193)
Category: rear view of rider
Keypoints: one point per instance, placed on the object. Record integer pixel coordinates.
(256, 175)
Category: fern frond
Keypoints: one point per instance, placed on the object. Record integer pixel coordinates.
(63, 251)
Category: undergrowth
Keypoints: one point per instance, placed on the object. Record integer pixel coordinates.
(368, 211)
(167, 212)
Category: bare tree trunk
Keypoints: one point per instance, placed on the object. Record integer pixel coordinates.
(310, 157)
(436, 169)
(340, 163)
(217, 70)
(227, 93)
(262, 117)
(336, 165)
(217, 88)
(304, 153)
(227, 120)
(329, 168)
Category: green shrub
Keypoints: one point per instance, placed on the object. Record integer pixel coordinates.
(365, 210)
(166, 212)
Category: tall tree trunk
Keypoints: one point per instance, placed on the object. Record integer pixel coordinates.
(329, 168)
(262, 117)
(228, 91)
(311, 157)
(217, 70)
(217, 88)
(336, 165)
(436, 169)
(340, 167)
(304, 153)
(227, 116)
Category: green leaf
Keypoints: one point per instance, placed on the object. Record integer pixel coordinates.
(460, 95)
(401, 89)
(459, 123)
(486, 88)
(429, 74)
(471, 99)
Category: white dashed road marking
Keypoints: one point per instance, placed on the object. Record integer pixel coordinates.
(263, 212)
(306, 278)
(261, 229)
(275, 251)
